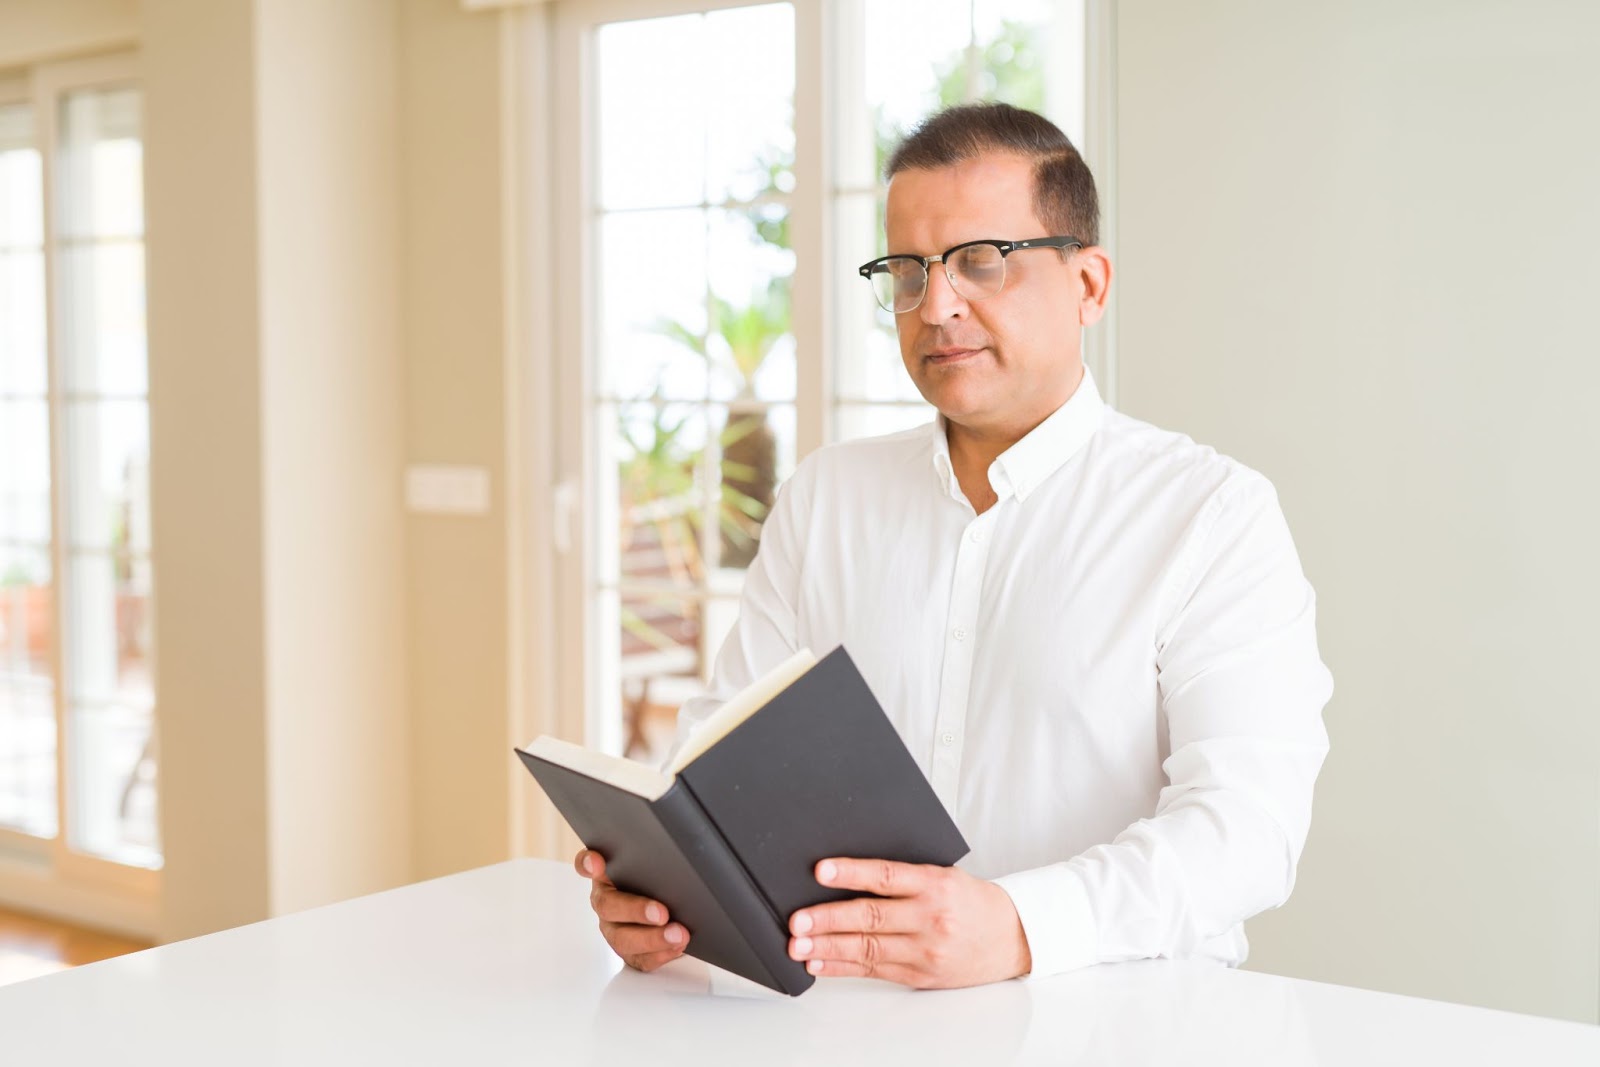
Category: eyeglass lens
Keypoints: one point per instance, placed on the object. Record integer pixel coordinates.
(976, 272)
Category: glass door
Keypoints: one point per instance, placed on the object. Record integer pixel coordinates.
(78, 745)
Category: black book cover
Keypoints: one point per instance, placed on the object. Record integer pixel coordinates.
(731, 847)
(667, 849)
(817, 772)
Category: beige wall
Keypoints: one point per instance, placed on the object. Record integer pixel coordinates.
(331, 404)
(1357, 253)
(204, 321)
(32, 30)
(277, 435)
(457, 578)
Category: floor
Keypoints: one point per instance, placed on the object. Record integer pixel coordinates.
(30, 946)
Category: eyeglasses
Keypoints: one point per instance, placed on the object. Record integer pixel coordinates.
(976, 269)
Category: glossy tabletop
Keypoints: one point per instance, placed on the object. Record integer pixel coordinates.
(504, 965)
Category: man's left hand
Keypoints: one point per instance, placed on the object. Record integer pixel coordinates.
(928, 927)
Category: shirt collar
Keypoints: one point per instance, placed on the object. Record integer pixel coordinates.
(1021, 468)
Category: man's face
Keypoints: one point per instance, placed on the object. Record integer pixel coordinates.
(1003, 362)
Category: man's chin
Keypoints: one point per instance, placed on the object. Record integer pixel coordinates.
(956, 401)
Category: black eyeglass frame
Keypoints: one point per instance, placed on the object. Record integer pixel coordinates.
(1005, 248)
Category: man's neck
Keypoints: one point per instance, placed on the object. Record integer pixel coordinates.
(975, 446)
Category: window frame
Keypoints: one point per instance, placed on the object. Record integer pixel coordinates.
(47, 874)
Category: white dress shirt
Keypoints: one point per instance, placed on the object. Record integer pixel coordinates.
(1110, 676)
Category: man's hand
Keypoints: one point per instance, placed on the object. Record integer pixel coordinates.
(637, 928)
(937, 928)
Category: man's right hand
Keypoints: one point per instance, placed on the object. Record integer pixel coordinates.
(637, 928)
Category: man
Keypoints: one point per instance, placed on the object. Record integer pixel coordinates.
(1094, 635)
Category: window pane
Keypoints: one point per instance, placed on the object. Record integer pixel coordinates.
(21, 180)
(22, 310)
(101, 165)
(103, 328)
(110, 636)
(661, 661)
(915, 51)
(113, 806)
(652, 304)
(27, 755)
(661, 501)
(24, 471)
(750, 139)
(27, 613)
(22, 351)
(872, 420)
(653, 88)
(751, 350)
(109, 457)
(27, 693)
(757, 455)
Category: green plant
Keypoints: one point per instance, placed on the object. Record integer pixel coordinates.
(662, 508)
(749, 464)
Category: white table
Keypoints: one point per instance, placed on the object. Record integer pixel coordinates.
(504, 965)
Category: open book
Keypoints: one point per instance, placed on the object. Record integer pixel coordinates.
(801, 765)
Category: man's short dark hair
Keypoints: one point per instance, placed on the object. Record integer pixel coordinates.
(1064, 197)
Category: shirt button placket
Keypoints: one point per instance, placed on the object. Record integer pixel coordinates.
(956, 682)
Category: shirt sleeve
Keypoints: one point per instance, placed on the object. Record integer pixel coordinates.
(1242, 689)
(765, 633)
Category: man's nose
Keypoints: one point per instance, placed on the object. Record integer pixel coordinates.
(941, 302)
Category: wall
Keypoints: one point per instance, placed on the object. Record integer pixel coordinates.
(276, 436)
(203, 315)
(33, 31)
(332, 390)
(1356, 253)
(452, 281)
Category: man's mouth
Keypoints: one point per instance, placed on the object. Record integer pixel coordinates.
(941, 356)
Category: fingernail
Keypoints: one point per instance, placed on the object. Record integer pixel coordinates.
(826, 871)
(588, 864)
(815, 966)
(674, 934)
(653, 913)
(802, 946)
(802, 923)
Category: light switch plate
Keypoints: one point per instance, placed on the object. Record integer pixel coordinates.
(434, 489)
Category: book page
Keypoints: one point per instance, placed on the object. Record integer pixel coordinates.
(637, 778)
(746, 703)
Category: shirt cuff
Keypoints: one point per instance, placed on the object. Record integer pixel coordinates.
(1057, 918)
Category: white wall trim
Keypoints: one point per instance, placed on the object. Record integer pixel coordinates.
(530, 271)
(1100, 152)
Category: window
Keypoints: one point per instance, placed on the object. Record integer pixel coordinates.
(721, 329)
(77, 696)
(27, 586)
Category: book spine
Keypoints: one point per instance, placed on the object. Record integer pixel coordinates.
(763, 929)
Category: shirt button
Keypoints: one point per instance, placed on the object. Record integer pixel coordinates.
(977, 536)
(959, 634)
(948, 739)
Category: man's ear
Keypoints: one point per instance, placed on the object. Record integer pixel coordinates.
(1094, 274)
